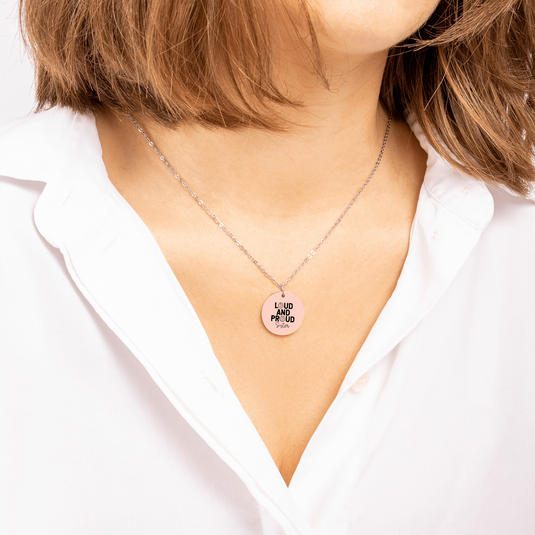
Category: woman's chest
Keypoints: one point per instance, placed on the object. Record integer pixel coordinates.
(286, 384)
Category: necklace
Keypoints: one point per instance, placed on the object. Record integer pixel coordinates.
(282, 312)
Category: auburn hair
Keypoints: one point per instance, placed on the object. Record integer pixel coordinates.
(466, 74)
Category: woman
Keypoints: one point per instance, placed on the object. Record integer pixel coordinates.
(370, 162)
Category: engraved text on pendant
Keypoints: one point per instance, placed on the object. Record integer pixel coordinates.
(283, 315)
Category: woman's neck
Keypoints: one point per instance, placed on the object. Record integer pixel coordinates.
(315, 167)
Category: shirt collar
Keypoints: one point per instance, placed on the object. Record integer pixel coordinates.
(453, 210)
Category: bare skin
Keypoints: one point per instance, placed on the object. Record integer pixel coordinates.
(279, 193)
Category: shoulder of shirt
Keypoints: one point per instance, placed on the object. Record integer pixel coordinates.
(40, 146)
(415, 127)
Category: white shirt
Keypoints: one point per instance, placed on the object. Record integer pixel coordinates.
(117, 418)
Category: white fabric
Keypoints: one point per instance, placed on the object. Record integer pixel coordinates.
(116, 417)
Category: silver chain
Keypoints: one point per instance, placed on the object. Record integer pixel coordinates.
(233, 238)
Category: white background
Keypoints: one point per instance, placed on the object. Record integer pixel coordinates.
(16, 70)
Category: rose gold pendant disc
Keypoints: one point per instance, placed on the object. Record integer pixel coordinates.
(283, 315)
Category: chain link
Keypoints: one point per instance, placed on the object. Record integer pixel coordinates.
(234, 239)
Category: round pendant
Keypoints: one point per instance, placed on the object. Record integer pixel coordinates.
(283, 315)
